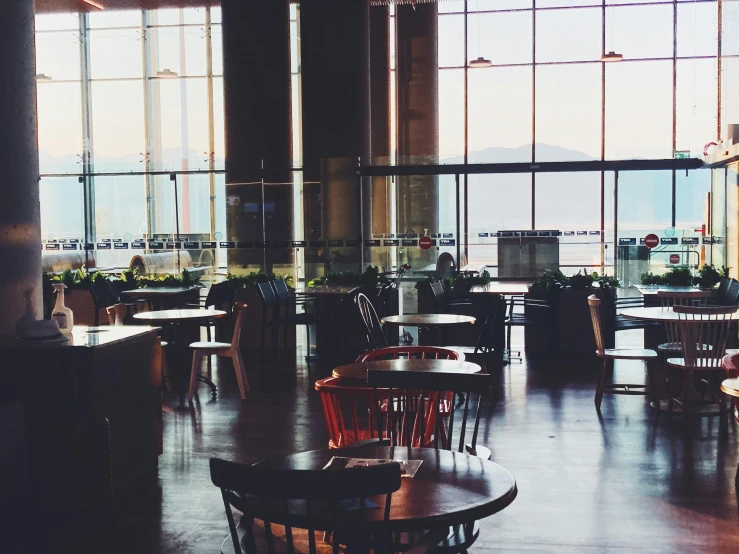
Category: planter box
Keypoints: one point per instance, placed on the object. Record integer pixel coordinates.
(251, 333)
(575, 325)
(83, 307)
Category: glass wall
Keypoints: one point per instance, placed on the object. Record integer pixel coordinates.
(124, 99)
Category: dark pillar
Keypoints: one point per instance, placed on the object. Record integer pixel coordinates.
(256, 85)
(334, 38)
(20, 220)
(380, 114)
(418, 120)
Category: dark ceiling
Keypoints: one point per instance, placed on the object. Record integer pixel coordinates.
(45, 6)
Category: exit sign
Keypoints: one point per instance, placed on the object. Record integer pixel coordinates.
(682, 154)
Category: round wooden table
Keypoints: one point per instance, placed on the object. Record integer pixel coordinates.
(428, 320)
(450, 488)
(359, 370)
(180, 320)
(664, 315)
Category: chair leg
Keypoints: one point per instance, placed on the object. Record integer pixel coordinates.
(307, 346)
(240, 370)
(165, 371)
(197, 360)
(207, 331)
(601, 385)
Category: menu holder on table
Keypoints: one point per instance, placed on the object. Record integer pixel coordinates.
(408, 468)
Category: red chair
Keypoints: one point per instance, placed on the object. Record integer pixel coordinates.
(422, 353)
(349, 410)
(414, 352)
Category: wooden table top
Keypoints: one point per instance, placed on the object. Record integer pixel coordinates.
(328, 290)
(501, 288)
(428, 320)
(158, 291)
(450, 488)
(659, 314)
(359, 370)
(647, 290)
(174, 316)
(730, 387)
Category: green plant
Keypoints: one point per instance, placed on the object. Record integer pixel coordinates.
(609, 281)
(548, 281)
(370, 278)
(167, 280)
(251, 280)
(650, 278)
(581, 280)
(708, 276)
(678, 277)
(78, 279)
(465, 280)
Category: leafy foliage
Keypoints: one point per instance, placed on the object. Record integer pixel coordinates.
(582, 280)
(78, 279)
(465, 280)
(251, 280)
(370, 278)
(708, 276)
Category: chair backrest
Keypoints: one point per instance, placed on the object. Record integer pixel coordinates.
(221, 294)
(349, 409)
(267, 293)
(116, 313)
(722, 290)
(102, 296)
(670, 298)
(416, 405)
(264, 493)
(239, 311)
(409, 352)
(594, 302)
(732, 295)
(282, 290)
(437, 289)
(373, 328)
(703, 333)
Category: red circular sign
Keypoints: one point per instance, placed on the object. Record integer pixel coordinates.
(424, 243)
(674, 259)
(651, 240)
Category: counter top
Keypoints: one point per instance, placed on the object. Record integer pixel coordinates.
(86, 337)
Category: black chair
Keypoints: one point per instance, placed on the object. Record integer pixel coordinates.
(732, 294)
(102, 297)
(414, 399)
(268, 495)
(270, 302)
(373, 328)
(536, 313)
(613, 306)
(721, 296)
(220, 297)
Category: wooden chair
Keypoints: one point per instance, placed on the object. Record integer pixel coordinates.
(669, 299)
(373, 328)
(117, 313)
(349, 409)
(414, 393)
(225, 349)
(610, 354)
(704, 332)
(410, 352)
(267, 495)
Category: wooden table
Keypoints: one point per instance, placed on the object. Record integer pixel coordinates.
(428, 320)
(647, 290)
(159, 296)
(450, 488)
(359, 370)
(503, 288)
(179, 321)
(668, 315)
(663, 315)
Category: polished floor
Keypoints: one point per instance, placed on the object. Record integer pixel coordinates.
(630, 481)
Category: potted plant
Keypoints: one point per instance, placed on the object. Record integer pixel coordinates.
(708, 276)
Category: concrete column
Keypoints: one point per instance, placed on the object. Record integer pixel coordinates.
(256, 83)
(380, 114)
(20, 221)
(418, 120)
(334, 38)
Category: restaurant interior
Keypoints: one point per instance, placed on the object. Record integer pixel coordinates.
(369, 276)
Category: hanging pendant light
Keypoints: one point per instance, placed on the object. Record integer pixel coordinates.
(611, 57)
(481, 62)
(166, 74)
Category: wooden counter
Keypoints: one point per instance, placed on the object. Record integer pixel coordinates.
(104, 373)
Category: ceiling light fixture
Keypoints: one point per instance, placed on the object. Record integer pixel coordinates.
(611, 57)
(166, 74)
(481, 62)
(94, 4)
(41, 78)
